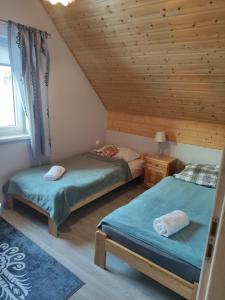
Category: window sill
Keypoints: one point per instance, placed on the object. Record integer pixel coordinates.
(15, 138)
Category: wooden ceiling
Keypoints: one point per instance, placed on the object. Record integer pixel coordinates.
(162, 58)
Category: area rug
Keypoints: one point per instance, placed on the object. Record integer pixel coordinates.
(29, 273)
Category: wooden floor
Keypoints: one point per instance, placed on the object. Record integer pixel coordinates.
(75, 250)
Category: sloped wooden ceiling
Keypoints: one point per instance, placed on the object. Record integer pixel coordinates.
(163, 59)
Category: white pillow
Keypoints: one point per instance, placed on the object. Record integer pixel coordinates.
(127, 154)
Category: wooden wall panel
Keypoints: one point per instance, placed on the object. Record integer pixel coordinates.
(181, 131)
(157, 58)
(152, 57)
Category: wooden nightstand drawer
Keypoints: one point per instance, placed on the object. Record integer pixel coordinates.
(157, 167)
(153, 176)
(156, 164)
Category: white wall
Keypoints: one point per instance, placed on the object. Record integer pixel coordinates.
(77, 117)
(186, 153)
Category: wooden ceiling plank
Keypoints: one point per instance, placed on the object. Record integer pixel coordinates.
(158, 58)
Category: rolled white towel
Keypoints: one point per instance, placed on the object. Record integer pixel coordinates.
(171, 223)
(54, 173)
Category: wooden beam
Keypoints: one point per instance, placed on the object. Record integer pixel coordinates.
(52, 227)
(170, 280)
(100, 253)
(161, 275)
(9, 204)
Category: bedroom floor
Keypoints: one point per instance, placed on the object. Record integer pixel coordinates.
(75, 250)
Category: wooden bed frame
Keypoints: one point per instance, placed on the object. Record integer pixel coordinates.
(170, 280)
(52, 227)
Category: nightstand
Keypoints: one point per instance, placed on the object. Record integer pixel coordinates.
(157, 167)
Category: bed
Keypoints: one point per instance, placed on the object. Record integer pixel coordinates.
(174, 262)
(88, 176)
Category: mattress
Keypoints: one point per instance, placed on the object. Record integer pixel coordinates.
(134, 222)
(136, 167)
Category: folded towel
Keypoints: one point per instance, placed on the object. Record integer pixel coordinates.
(171, 223)
(54, 173)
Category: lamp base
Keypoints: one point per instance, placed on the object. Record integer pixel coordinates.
(160, 150)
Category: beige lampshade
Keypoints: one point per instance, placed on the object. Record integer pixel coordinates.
(160, 136)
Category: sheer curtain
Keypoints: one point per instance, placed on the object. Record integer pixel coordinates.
(29, 59)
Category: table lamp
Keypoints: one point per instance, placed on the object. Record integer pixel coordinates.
(160, 137)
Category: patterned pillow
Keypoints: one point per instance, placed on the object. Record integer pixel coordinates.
(107, 151)
(202, 174)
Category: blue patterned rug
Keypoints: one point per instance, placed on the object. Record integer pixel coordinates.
(29, 273)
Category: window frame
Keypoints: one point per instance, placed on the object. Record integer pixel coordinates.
(19, 131)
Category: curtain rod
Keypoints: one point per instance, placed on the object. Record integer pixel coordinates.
(49, 35)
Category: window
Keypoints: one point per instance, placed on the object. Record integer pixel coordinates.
(12, 117)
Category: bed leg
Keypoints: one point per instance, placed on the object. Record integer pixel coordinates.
(100, 253)
(9, 203)
(52, 228)
(195, 290)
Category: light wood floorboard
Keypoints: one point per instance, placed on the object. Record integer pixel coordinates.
(75, 249)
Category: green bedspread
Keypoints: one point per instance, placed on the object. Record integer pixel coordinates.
(136, 218)
(85, 175)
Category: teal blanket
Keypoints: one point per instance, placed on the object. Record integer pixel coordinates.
(85, 175)
(136, 218)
